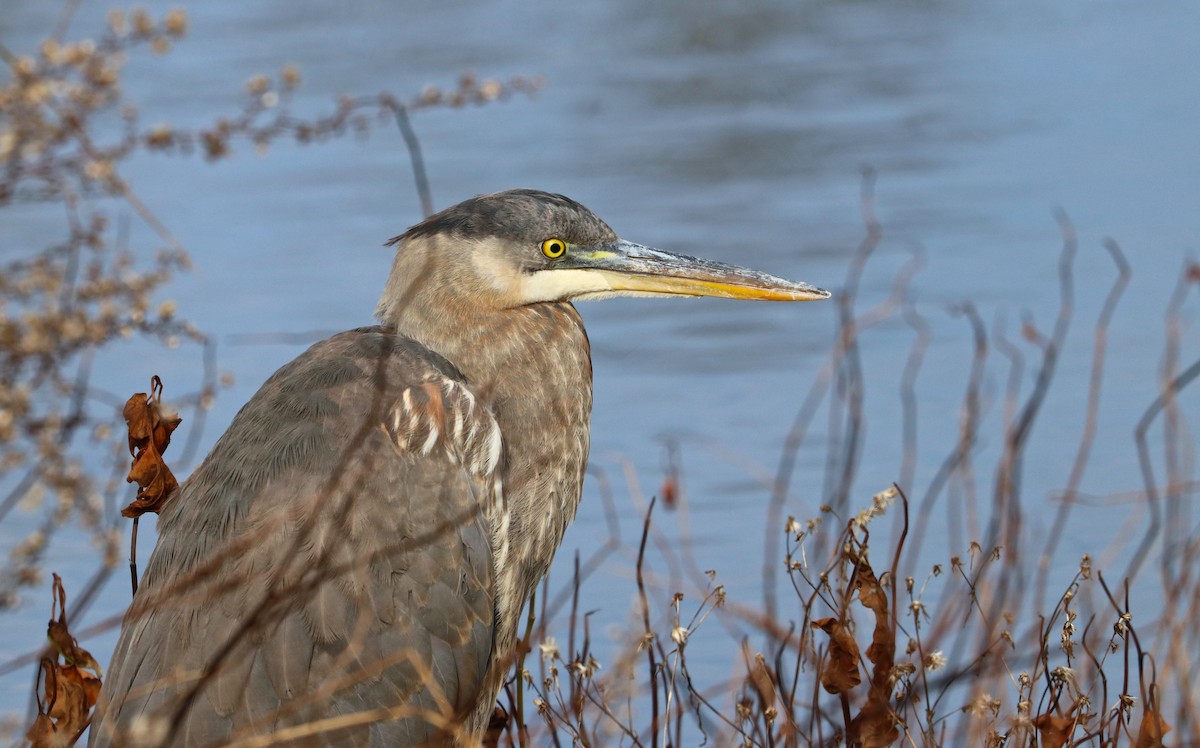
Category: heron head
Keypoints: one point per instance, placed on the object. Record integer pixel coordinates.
(521, 247)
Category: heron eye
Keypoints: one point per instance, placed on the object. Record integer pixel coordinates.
(554, 248)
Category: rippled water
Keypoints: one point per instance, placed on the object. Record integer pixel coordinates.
(734, 130)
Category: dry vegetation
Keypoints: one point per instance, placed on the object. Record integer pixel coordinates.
(873, 650)
(873, 645)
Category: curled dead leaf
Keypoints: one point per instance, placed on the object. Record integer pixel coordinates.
(841, 672)
(60, 637)
(150, 428)
(1055, 729)
(1153, 728)
(66, 691)
(870, 592)
(875, 724)
(81, 689)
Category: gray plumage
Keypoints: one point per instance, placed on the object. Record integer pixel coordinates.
(348, 565)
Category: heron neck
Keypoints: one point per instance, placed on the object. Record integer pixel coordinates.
(531, 366)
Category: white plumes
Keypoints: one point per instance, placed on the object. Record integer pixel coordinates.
(879, 504)
(794, 527)
(495, 444)
(935, 660)
(679, 635)
(430, 441)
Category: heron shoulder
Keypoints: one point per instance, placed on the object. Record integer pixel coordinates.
(305, 553)
(314, 415)
(427, 405)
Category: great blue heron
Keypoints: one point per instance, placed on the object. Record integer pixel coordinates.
(349, 563)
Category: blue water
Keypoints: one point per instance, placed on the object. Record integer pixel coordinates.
(732, 130)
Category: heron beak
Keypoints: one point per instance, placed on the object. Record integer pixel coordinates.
(634, 270)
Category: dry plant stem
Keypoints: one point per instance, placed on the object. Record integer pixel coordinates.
(86, 293)
(133, 573)
(1012, 388)
(1130, 633)
(1006, 521)
(1170, 390)
(70, 686)
(1164, 403)
(541, 635)
(1174, 425)
(1092, 412)
(415, 159)
(519, 714)
(648, 633)
(573, 685)
(841, 465)
(781, 489)
(893, 580)
(969, 420)
(908, 395)
(1004, 530)
(1179, 559)
(816, 394)
(850, 392)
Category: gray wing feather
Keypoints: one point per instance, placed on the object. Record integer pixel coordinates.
(317, 565)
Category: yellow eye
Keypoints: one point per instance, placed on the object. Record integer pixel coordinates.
(554, 248)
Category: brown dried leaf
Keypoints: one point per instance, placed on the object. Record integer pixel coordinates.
(669, 492)
(870, 593)
(65, 645)
(156, 482)
(882, 651)
(874, 726)
(67, 691)
(149, 436)
(1055, 729)
(841, 673)
(43, 733)
(145, 468)
(1152, 730)
(77, 692)
(60, 637)
(875, 723)
(138, 421)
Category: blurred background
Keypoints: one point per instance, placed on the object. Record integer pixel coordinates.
(736, 131)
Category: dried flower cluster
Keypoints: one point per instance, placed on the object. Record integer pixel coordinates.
(80, 289)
